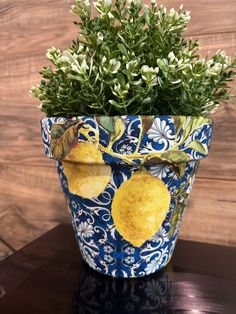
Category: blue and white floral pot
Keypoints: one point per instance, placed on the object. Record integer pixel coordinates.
(127, 180)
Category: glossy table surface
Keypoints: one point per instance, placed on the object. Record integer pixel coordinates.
(48, 276)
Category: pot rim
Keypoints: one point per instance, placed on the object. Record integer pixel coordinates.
(128, 115)
(191, 123)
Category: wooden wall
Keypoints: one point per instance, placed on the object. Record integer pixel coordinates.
(30, 198)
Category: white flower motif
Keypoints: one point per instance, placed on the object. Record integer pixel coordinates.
(129, 260)
(161, 133)
(154, 265)
(74, 204)
(173, 188)
(160, 170)
(161, 259)
(85, 229)
(129, 250)
(126, 149)
(108, 249)
(108, 258)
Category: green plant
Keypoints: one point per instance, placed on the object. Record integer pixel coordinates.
(132, 59)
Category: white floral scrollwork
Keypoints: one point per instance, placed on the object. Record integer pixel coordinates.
(161, 133)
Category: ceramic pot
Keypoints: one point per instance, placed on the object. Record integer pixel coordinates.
(127, 180)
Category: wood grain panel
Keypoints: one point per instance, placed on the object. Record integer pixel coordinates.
(34, 191)
(25, 13)
(208, 16)
(211, 214)
(16, 230)
(31, 201)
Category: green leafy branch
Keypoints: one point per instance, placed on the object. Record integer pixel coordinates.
(132, 59)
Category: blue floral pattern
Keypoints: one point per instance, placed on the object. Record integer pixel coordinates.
(101, 245)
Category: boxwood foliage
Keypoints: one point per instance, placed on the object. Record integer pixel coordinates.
(130, 58)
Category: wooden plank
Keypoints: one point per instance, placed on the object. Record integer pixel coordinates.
(25, 13)
(31, 198)
(34, 191)
(208, 16)
(16, 231)
(31, 203)
(23, 231)
(211, 214)
(220, 164)
(209, 44)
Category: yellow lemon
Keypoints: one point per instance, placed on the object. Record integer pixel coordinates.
(85, 152)
(139, 207)
(85, 170)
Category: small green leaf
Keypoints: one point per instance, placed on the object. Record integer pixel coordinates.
(161, 65)
(115, 14)
(122, 49)
(146, 101)
(113, 102)
(176, 81)
(121, 79)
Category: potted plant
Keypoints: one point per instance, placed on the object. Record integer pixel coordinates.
(128, 109)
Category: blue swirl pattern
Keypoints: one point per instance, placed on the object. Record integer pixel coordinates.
(101, 245)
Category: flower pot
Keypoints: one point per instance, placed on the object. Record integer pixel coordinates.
(127, 180)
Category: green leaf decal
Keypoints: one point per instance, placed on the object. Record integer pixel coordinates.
(115, 126)
(178, 211)
(106, 122)
(178, 167)
(147, 122)
(179, 123)
(176, 156)
(63, 137)
(199, 147)
(191, 124)
(119, 129)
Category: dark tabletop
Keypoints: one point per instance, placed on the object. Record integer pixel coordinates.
(48, 276)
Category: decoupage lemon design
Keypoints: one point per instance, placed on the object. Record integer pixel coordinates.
(139, 207)
(85, 170)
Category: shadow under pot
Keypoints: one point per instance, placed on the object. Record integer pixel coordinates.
(127, 180)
